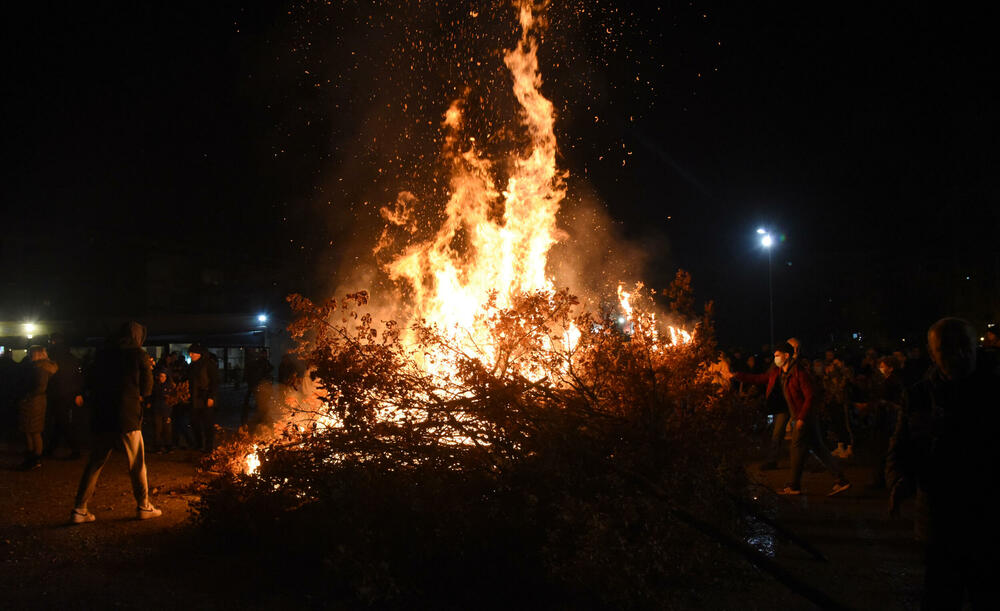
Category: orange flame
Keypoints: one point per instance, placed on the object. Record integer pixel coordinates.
(508, 254)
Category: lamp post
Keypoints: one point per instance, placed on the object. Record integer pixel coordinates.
(767, 242)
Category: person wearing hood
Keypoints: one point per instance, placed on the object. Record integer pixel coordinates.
(203, 377)
(122, 377)
(31, 406)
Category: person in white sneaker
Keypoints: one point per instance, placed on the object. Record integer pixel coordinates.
(122, 377)
(796, 386)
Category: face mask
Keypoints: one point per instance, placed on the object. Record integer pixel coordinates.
(779, 361)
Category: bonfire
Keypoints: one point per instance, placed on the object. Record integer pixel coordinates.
(496, 420)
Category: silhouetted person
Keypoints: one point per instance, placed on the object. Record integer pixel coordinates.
(258, 368)
(9, 373)
(290, 371)
(915, 368)
(36, 370)
(122, 377)
(65, 399)
(883, 407)
(203, 377)
(943, 450)
(161, 408)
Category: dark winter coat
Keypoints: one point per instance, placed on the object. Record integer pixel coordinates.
(67, 383)
(203, 377)
(122, 377)
(796, 384)
(943, 451)
(31, 407)
(161, 390)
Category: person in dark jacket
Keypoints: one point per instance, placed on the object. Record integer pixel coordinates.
(203, 377)
(65, 399)
(122, 376)
(37, 370)
(160, 405)
(258, 368)
(796, 388)
(943, 452)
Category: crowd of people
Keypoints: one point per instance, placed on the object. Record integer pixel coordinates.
(57, 402)
(846, 397)
(926, 424)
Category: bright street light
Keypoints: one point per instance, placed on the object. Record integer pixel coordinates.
(262, 318)
(767, 242)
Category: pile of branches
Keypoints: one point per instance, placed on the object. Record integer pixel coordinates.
(536, 470)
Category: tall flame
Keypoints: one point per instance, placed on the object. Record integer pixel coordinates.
(477, 250)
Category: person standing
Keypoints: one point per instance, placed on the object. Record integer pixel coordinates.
(122, 377)
(943, 452)
(37, 370)
(65, 399)
(160, 404)
(257, 369)
(796, 388)
(203, 377)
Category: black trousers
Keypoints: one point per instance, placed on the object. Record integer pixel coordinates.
(203, 423)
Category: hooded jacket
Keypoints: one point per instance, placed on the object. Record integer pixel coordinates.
(122, 377)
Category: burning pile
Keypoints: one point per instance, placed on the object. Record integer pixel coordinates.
(499, 423)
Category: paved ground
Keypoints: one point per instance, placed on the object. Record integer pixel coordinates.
(874, 563)
(118, 562)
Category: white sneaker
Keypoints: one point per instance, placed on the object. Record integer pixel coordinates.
(147, 513)
(81, 517)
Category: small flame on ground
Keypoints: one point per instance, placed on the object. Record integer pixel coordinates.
(252, 461)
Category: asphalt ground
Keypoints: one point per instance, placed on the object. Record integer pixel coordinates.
(869, 561)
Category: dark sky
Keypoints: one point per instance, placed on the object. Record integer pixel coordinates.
(865, 136)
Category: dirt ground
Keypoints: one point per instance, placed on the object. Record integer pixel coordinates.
(119, 562)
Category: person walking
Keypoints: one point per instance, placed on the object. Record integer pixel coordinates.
(36, 370)
(122, 377)
(795, 385)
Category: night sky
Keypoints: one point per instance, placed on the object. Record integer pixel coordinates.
(865, 136)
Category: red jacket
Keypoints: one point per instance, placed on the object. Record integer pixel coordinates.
(796, 384)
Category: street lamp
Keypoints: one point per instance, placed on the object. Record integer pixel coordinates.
(767, 242)
(262, 318)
